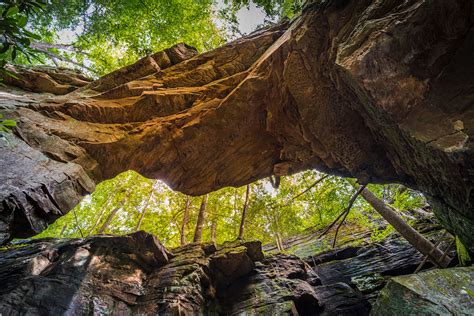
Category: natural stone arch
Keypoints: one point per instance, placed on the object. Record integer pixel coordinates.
(377, 90)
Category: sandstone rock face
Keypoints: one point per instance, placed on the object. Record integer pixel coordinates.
(136, 275)
(56, 277)
(45, 79)
(435, 292)
(357, 270)
(377, 90)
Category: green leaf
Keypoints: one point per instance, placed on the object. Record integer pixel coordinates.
(9, 123)
(22, 20)
(8, 73)
(32, 35)
(12, 11)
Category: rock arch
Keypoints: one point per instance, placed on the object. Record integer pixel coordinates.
(377, 90)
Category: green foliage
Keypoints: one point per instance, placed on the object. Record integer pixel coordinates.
(463, 253)
(379, 234)
(5, 126)
(273, 213)
(15, 37)
(274, 9)
(107, 35)
(99, 36)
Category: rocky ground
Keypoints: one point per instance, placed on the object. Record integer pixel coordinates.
(135, 274)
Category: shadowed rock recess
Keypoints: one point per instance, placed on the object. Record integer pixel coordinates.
(136, 275)
(377, 90)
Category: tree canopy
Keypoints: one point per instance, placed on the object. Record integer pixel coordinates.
(296, 206)
(99, 36)
(106, 35)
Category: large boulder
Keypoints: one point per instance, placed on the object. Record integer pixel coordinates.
(434, 292)
(135, 274)
(78, 276)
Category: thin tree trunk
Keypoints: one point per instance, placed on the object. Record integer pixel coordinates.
(77, 223)
(185, 221)
(97, 221)
(62, 230)
(214, 229)
(418, 241)
(104, 207)
(214, 222)
(280, 241)
(244, 212)
(112, 214)
(200, 220)
(146, 206)
(108, 220)
(67, 47)
(52, 56)
(278, 235)
(235, 210)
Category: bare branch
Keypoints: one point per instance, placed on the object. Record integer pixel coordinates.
(344, 213)
(310, 187)
(77, 223)
(52, 56)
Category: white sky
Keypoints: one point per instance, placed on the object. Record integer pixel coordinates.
(250, 18)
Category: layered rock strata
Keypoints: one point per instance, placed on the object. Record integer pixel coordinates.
(136, 275)
(377, 90)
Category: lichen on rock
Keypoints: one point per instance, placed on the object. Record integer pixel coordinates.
(435, 292)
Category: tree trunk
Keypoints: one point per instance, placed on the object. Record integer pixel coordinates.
(111, 215)
(214, 229)
(244, 212)
(97, 221)
(279, 241)
(418, 241)
(185, 221)
(108, 220)
(139, 224)
(323, 91)
(63, 230)
(103, 209)
(200, 220)
(102, 212)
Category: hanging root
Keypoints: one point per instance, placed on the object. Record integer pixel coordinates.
(275, 181)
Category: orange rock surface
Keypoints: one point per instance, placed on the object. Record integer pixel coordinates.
(377, 90)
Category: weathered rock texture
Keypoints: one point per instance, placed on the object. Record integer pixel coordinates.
(436, 292)
(136, 275)
(360, 266)
(377, 90)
